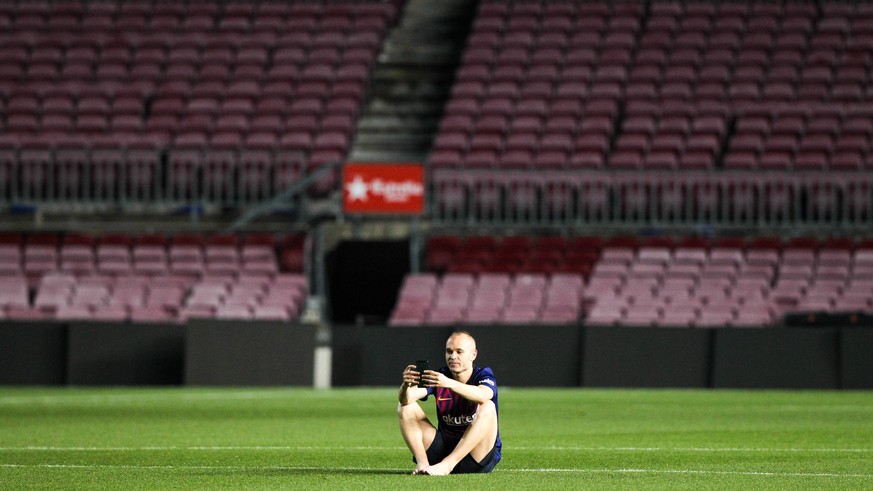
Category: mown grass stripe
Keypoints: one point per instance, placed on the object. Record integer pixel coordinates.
(393, 448)
(398, 470)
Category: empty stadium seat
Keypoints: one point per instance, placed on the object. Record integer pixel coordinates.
(200, 69)
(148, 278)
(722, 91)
(693, 282)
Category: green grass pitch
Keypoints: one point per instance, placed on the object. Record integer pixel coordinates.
(204, 438)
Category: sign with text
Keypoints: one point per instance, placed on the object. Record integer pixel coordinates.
(383, 188)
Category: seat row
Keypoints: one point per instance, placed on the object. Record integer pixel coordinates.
(726, 286)
(444, 251)
(295, 84)
(171, 16)
(544, 79)
(425, 299)
(660, 281)
(184, 255)
(145, 298)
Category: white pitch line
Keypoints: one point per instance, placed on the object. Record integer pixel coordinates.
(197, 467)
(70, 398)
(691, 471)
(243, 448)
(398, 470)
(196, 448)
(698, 449)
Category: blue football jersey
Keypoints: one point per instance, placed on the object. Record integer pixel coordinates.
(454, 412)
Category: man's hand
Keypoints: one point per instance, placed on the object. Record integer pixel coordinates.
(410, 376)
(474, 393)
(431, 378)
(411, 390)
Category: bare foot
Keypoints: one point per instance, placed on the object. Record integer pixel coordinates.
(420, 470)
(441, 469)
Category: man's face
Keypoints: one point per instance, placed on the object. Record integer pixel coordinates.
(460, 353)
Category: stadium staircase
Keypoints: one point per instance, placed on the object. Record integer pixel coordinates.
(411, 81)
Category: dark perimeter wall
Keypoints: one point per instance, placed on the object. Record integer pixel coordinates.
(567, 356)
(280, 354)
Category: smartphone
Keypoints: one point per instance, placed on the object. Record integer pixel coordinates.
(420, 367)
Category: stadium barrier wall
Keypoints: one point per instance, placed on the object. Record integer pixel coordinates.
(229, 353)
(124, 354)
(520, 355)
(856, 364)
(569, 356)
(795, 358)
(540, 356)
(646, 357)
(33, 353)
(237, 353)
(199, 353)
(377, 355)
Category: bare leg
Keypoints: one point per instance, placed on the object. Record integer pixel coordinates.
(477, 441)
(418, 433)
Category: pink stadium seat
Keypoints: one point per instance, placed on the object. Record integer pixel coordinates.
(444, 315)
(27, 313)
(642, 315)
(520, 314)
(74, 313)
(271, 313)
(559, 315)
(678, 316)
(14, 291)
(150, 314)
(606, 315)
(483, 315)
(109, 314)
(753, 317)
(713, 316)
(411, 318)
(233, 312)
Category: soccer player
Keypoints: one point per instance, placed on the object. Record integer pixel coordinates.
(466, 439)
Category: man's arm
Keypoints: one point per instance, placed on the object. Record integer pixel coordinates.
(473, 393)
(409, 390)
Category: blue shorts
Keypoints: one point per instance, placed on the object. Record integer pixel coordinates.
(442, 446)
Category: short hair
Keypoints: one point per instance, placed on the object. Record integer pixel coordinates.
(461, 332)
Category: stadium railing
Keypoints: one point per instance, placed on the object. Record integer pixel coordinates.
(750, 199)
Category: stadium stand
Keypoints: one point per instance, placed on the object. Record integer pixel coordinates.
(699, 170)
(567, 96)
(562, 113)
(137, 101)
(627, 281)
(152, 278)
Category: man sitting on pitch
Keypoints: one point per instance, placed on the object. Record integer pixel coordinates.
(467, 438)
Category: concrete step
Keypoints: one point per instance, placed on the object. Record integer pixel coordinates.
(409, 140)
(393, 123)
(424, 93)
(430, 31)
(387, 155)
(411, 81)
(408, 107)
(431, 73)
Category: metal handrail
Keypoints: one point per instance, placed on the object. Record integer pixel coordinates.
(294, 189)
